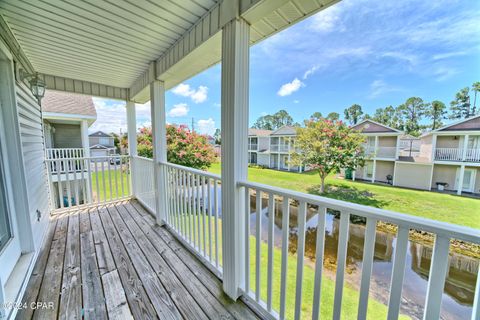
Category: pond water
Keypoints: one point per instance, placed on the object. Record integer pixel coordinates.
(459, 289)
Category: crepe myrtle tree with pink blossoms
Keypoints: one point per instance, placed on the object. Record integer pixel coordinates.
(184, 147)
(327, 146)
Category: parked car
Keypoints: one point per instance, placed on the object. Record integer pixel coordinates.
(115, 159)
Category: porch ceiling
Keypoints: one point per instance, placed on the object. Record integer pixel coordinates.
(116, 48)
(104, 42)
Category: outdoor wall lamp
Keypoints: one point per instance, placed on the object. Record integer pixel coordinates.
(37, 85)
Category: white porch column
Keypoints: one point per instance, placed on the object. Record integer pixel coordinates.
(460, 179)
(235, 74)
(434, 146)
(397, 148)
(465, 146)
(159, 142)
(132, 144)
(86, 153)
(288, 164)
(374, 171)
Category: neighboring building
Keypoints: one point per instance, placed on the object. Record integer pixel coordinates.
(102, 144)
(282, 144)
(272, 149)
(66, 118)
(449, 158)
(259, 146)
(382, 150)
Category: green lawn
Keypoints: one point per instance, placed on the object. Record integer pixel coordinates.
(104, 179)
(432, 205)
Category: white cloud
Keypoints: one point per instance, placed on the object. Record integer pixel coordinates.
(111, 116)
(442, 73)
(327, 20)
(289, 88)
(197, 95)
(296, 101)
(310, 72)
(206, 126)
(178, 110)
(380, 87)
(447, 55)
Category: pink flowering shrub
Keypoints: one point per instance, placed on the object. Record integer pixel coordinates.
(184, 147)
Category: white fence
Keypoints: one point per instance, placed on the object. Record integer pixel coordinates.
(194, 209)
(88, 180)
(143, 181)
(284, 199)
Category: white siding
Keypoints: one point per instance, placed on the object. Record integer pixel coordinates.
(31, 133)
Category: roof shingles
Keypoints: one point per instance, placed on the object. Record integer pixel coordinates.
(69, 103)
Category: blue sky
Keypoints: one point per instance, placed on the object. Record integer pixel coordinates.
(371, 52)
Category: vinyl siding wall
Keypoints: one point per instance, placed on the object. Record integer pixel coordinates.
(31, 134)
(67, 136)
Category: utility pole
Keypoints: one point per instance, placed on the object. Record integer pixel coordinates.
(193, 124)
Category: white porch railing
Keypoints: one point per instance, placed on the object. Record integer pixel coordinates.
(386, 152)
(448, 154)
(473, 155)
(252, 147)
(143, 181)
(194, 211)
(63, 153)
(88, 180)
(285, 200)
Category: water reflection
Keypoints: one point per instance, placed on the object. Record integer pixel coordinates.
(459, 289)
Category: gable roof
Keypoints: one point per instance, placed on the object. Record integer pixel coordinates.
(68, 103)
(472, 123)
(259, 132)
(370, 126)
(100, 134)
(285, 130)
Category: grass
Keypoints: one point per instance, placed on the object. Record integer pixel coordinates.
(432, 205)
(376, 310)
(108, 182)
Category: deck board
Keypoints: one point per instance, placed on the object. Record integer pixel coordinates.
(114, 262)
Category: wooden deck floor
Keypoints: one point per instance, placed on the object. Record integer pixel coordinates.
(114, 262)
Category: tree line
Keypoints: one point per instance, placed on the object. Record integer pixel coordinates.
(413, 116)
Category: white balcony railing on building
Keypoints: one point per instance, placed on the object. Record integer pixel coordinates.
(194, 211)
(63, 153)
(280, 204)
(448, 154)
(386, 152)
(381, 152)
(253, 147)
(280, 148)
(88, 180)
(473, 155)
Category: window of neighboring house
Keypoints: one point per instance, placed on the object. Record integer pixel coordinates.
(104, 141)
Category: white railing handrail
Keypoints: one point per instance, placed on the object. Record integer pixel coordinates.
(400, 219)
(192, 170)
(87, 158)
(143, 158)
